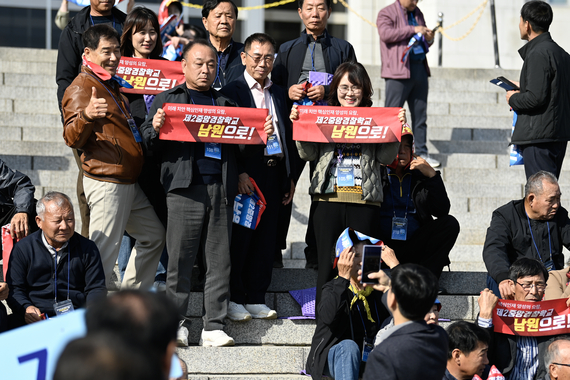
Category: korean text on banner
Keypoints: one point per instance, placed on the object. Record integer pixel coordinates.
(150, 76)
(226, 125)
(532, 318)
(347, 124)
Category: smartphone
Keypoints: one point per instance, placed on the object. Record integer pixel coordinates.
(371, 260)
(436, 28)
(508, 82)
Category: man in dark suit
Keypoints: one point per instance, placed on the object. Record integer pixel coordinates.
(272, 170)
(411, 296)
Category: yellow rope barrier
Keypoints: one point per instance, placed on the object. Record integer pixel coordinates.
(481, 6)
(353, 11)
(264, 6)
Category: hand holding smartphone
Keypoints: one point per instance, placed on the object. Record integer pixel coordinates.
(371, 260)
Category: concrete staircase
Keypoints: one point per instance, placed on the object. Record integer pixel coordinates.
(469, 128)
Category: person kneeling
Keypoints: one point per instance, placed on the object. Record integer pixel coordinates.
(348, 318)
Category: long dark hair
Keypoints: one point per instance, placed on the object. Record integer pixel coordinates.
(358, 76)
(137, 20)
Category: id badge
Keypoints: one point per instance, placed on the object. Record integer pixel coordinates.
(213, 150)
(399, 228)
(366, 349)
(549, 265)
(418, 49)
(345, 176)
(273, 146)
(63, 307)
(134, 130)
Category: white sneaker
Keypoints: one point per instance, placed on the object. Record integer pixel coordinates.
(182, 335)
(431, 161)
(216, 338)
(261, 311)
(237, 312)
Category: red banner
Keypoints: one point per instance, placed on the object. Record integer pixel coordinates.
(532, 318)
(347, 124)
(227, 125)
(150, 76)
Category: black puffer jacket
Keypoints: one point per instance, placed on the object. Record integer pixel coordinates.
(16, 190)
(543, 102)
(71, 48)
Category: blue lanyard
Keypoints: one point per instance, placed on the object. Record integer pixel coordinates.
(93, 22)
(408, 196)
(112, 96)
(362, 318)
(313, 55)
(218, 69)
(192, 100)
(532, 236)
(55, 274)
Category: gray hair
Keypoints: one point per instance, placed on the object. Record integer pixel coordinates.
(60, 200)
(552, 352)
(534, 183)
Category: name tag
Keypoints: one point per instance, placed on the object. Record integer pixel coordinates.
(399, 228)
(345, 176)
(418, 49)
(63, 307)
(213, 150)
(366, 349)
(273, 146)
(134, 130)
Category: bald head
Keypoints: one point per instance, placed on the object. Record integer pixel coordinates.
(558, 353)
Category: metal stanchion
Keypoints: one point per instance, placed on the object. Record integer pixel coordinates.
(440, 40)
(495, 41)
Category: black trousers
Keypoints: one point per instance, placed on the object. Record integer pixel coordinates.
(330, 219)
(545, 156)
(429, 246)
(252, 251)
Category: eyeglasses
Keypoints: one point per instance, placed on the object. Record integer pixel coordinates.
(565, 365)
(345, 89)
(268, 58)
(528, 287)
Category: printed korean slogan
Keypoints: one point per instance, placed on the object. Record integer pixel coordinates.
(150, 76)
(226, 125)
(347, 124)
(532, 318)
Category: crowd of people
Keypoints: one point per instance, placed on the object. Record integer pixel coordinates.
(159, 207)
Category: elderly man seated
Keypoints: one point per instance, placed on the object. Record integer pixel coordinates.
(535, 227)
(557, 359)
(414, 194)
(54, 270)
(517, 357)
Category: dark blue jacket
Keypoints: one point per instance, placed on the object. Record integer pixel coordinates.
(176, 157)
(31, 274)
(240, 92)
(291, 55)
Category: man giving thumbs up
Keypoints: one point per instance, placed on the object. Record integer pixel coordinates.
(97, 120)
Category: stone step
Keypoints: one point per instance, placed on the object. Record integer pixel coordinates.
(473, 74)
(470, 236)
(27, 92)
(244, 360)
(46, 106)
(30, 81)
(513, 191)
(35, 134)
(36, 148)
(468, 146)
(478, 122)
(470, 134)
(27, 55)
(28, 120)
(479, 110)
(28, 67)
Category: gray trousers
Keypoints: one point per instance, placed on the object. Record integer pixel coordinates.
(199, 221)
(415, 92)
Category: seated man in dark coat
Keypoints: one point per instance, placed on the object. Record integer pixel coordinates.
(411, 349)
(37, 289)
(535, 227)
(349, 316)
(414, 194)
(517, 357)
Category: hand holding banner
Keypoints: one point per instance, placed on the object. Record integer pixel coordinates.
(226, 125)
(150, 76)
(347, 124)
(532, 318)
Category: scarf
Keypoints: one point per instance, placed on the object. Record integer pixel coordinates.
(361, 295)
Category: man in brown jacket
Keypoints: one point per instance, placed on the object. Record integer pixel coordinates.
(97, 120)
